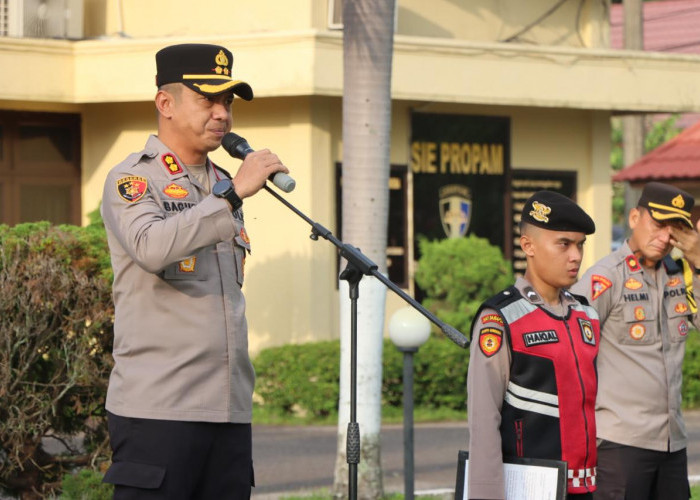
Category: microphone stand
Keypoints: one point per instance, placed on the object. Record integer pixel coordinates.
(358, 265)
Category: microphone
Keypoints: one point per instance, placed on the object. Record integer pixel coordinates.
(238, 147)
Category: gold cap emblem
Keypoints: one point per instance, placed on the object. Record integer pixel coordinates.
(221, 59)
(540, 212)
(678, 202)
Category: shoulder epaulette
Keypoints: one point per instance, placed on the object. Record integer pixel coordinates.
(672, 266)
(582, 299)
(503, 298)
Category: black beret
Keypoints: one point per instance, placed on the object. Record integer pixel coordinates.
(666, 202)
(204, 68)
(556, 212)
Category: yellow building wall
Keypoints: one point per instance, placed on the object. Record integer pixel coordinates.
(446, 59)
(503, 20)
(182, 18)
(484, 20)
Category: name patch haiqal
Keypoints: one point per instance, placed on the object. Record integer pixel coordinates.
(132, 188)
(537, 338)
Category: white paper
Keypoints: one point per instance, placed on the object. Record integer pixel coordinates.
(524, 482)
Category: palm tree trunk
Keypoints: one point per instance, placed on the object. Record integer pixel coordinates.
(367, 55)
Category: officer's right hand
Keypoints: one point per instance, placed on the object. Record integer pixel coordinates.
(255, 170)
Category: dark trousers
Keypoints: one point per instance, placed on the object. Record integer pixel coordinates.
(629, 473)
(163, 459)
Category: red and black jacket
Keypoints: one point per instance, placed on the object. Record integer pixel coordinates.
(549, 407)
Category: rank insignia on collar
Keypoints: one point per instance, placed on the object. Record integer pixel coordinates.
(586, 331)
(132, 188)
(175, 191)
(171, 163)
(633, 284)
(633, 263)
(531, 295)
(490, 340)
(598, 285)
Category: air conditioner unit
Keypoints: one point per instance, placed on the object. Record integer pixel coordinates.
(45, 18)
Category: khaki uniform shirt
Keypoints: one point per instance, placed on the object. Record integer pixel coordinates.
(644, 321)
(180, 333)
(487, 380)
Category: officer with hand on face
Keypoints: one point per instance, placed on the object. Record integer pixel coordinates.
(532, 377)
(646, 303)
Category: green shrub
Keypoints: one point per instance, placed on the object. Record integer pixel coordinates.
(458, 274)
(691, 371)
(302, 380)
(85, 484)
(56, 319)
(299, 379)
(439, 375)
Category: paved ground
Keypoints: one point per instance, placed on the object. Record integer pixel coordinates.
(289, 459)
(300, 459)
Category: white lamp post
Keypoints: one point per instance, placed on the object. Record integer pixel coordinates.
(408, 330)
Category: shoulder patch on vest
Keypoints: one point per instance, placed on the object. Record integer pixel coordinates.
(492, 318)
(490, 341)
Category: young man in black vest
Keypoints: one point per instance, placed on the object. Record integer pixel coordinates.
(532, 379)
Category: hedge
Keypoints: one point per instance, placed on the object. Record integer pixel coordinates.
(56, 319)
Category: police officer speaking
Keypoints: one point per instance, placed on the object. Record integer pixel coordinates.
(531, 384)
(645, 300)
(180, 395)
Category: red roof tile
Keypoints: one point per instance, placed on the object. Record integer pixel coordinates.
(669, 26)
(678, 158)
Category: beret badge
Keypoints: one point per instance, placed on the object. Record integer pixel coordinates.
(540, 212)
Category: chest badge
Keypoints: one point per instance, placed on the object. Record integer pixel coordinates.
(675, 281)
(637, 331)
(132, 188)
(633, 284)
(639, 313)
(587, 331)
(171, 163)
(490, 340)
(187, 265)
(175, 191)
(598, 285)
(683, 328)
(681, 308)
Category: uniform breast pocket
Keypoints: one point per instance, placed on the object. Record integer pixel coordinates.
(241, 249)
(678, 313)
(191, 268)
(639, 325)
